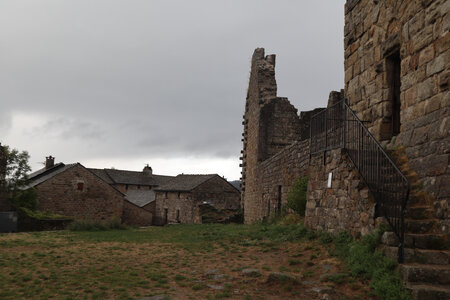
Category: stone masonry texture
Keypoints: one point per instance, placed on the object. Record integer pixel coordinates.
(183, 206)
(135, 215)
(275, 146)
(96, 201)
(418, 31)
(345, 206)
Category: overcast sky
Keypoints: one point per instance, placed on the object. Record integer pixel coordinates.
(123, 83)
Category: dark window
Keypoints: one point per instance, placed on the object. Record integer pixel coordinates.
(139, 187)
(279, 199)
(178, 215)
(126, 186)
(80, 186)
(179, 194)
(167, 195)
(166, 212)
(393, 65)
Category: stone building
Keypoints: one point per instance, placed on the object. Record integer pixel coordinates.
(275, 143)
(138, 187)
(180, 199)
(397, 74)
(73, 190)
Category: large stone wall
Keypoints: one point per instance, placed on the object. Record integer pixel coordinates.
(183, 207)
(175, 207)
(418, 32)
(135, 215)
(276, 177)
(271, 125)
(345, 206)
(218, 193)
(97, 200)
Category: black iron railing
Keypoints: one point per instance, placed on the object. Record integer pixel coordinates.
(339, 127)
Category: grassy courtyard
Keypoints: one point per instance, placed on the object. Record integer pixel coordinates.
(180, 261)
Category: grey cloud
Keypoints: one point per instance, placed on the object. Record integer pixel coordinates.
(169, 78)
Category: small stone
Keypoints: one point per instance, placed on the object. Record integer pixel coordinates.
(215, 287)
(306, 282)
(211, 272)
(218, 276)
(156, 297)
(322, 289)
(326, 297)
(279, 277)
(251, 272)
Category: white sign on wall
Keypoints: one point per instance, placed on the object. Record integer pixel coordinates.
(330, 177)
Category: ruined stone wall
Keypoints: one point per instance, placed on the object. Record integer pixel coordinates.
(344, 206)
(270, 124)
(96, 201)
(218, 193)
(172, 203)
(418, 32)
(277, 175)
(136, 216)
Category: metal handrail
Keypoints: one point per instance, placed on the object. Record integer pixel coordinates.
(388, 185)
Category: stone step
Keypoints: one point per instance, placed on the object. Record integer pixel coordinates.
(429, 291)
(421, 256)
(419, 212)
(420, 273)
(421, 241)
(420, 226)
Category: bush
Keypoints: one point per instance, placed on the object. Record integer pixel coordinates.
(25, 199)
(296, 199)
(366, 262)
(87, 225)
(40, 215)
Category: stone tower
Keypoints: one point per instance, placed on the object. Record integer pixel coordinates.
(270, 124)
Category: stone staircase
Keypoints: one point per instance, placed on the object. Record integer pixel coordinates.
(426, 268)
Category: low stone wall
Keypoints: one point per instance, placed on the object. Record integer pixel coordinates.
(344, 206)
(136, 216)
(276, 177)
(26, 223)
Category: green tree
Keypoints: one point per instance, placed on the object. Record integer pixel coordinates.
(16, 178)
(296, 199)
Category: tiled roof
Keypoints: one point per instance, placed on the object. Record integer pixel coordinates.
(43, 170)
(184, 182)
(43, 175)
(140, 197)
(130, 177)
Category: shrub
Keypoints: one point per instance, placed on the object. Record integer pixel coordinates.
(87, 225)
(296, 199)
(40, 215)
(25, 199)
(366, 262)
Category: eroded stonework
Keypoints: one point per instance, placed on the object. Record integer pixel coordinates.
(275, 150)
(397, 76)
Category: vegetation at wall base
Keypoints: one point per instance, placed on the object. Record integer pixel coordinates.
(365, 261)
(41, 215)
(296, 199)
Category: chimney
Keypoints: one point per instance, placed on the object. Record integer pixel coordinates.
(49, 162)
(147, 170)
